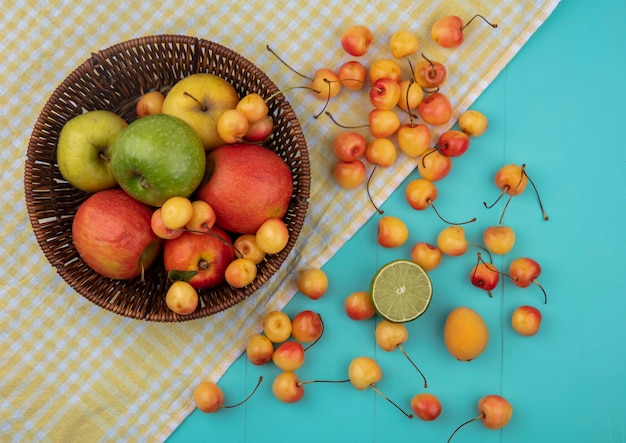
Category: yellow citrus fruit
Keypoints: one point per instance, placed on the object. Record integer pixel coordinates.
(465, 334)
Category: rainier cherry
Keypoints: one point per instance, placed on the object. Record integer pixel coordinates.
(524, 271)
(349, 175)
(426, 406)
(385, 68)
(499, 239)
(253, 106)
(451, 241)
(447, 32)
(209, 397)
(240, 272)
(403, 43)
(426, 255)
(313, 283)
(359, 306)
(392, 232)
(289, 356)
(381, 151)
(413, 138)
(352, 75)
(159, 228)
(176, 212)
(245, 246)
(307, 326)
(435, 109)
(202, 217)
(272, 236)
(181, 298)
(150, 103)
(390, 336)
(356, 40)
(484, 276)
(349, 146)
(433, 165)
(364, 373)
(383, 122)
(526, 320)
(495, 413)
(232, 126)
(453, 143)
(259, 130)
(259, 349)
(430, 74)
(385, 93)
(287, 387)
(277, 326)
(473, 123)
(411, 95)
(421, 194)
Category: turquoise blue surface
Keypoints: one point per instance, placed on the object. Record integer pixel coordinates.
(558, 107)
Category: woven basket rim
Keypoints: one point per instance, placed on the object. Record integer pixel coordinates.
(113, 78)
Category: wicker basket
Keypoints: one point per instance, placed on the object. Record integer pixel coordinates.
(114, 79)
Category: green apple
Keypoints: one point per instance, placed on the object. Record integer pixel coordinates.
(157, 157)
(84, 148)
(111, 232)
(199, 99)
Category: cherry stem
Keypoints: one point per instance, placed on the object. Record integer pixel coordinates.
(432, 73)
(414, 365)
(545, 216)
(203, 107)
(482, 248)
(286, 64)
(327, 100)
(343, 126)
(320, 336)
(463, 424)
(249, 395)
(290, 88)
(436, 148)
(407, 415)
(300, 383)
(504, 191)
(446, 221)
(210, 232)
(493, 25)
(367, 188)
(545, 295)
(514, 192)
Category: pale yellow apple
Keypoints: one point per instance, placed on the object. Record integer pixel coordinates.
(199, 99)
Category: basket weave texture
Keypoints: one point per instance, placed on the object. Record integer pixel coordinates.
(114, 79)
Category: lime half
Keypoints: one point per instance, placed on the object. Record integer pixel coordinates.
(401, 291)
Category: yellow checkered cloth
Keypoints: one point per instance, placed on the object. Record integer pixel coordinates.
(74, 372)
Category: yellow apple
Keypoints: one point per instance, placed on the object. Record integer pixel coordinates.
(199, 99)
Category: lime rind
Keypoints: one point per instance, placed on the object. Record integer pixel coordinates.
(401, 291)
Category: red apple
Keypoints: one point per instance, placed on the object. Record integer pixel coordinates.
(113, 235)
(208, 254)
(245, 185)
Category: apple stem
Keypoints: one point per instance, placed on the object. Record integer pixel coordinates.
(204, 108)
(318, 338)
(414, 365)
(493, 25)
(407, 415)
(380, 211)
(545, 216)
(446, 221)
(249, 395)
(343, 126)
(286, 64)
(463, 424)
